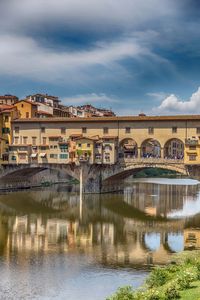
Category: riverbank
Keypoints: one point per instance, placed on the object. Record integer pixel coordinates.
(178, 280)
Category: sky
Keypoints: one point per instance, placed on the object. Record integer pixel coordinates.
(129, 55)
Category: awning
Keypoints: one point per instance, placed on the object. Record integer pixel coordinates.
(34, 155)
(42, 154)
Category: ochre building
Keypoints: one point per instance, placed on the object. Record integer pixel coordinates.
(105, 140)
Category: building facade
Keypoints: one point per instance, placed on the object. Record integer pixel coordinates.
(108, 139)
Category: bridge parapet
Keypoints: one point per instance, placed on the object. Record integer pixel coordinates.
(151, 160)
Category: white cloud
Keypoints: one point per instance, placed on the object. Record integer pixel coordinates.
(157, 96)
(173, 105)
(23, 56)
(101, 99)
(90, 14)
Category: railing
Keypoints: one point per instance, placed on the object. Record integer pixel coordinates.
(151, 160)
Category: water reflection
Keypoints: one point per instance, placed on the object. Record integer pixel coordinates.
(143, 225)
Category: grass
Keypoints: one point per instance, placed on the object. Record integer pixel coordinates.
(178, 280)
(193, 293)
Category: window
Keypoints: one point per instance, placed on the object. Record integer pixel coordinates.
(63, 156)
(105, 130)
(25, 139)
(198, 130)
(55, 146)
(27, 115)
(88, 145)
(43, 129)
(174, 129)
(63, 130)
(128, 130)
(79, 145)
(14, 158)
(33, 140)
(53, 155)
(151, 130)
(16, 140)
(98, 146)
(84, 130)
(43, 147)
(192, 157)
(6, 119)
(5, 130)
(192, 147)
(44, 140)
(63, 148)
(22, 105)
(22, 156)
(16, 129)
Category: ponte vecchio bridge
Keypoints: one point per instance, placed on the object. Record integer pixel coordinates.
(103, 149)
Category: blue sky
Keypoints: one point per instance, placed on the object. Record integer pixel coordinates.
(131, 55)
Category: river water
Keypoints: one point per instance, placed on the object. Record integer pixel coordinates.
(51, 247)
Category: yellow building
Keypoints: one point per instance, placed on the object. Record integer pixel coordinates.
(7, 114)
(27, 109)
(107, 139)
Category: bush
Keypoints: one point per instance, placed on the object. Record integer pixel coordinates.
(185, 279)
(172, 292)
(124, 293)
(158, 277)
(152, 295)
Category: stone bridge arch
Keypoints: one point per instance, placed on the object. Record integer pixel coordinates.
(128, 148)
(151, 148)
(118, 173)
(174, 149)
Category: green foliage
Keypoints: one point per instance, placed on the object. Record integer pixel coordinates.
(155, 172)
(158, 277)
(177, 280)
(172, 292)
(185, 279)
(124, 293)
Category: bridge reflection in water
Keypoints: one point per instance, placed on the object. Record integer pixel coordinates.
(133, 228)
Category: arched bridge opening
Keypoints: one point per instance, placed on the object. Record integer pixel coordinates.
(133, 170)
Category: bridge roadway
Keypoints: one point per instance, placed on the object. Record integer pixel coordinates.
(95, 176)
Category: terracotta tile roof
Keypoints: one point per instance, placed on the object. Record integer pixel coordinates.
(42, 112)
(112, 119)
(27, 101)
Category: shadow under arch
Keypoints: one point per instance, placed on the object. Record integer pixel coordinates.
(135, 169)
(174, 149)
(151, 148)
(128, 148)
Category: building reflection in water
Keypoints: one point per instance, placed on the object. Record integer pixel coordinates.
(108, 235)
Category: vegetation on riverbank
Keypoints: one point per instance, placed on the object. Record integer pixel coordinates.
(178, 280)
(156, 172)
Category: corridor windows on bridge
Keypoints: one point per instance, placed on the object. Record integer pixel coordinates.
(174, 129)
(63, 130)
(105, 130)
(174, 149)
(42, 129)
(127, 130)
(17, 130)
(150, 149)
(84, 130)
(128, 149)
(151, 130)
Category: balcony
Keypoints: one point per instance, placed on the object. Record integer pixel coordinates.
(191, 142)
